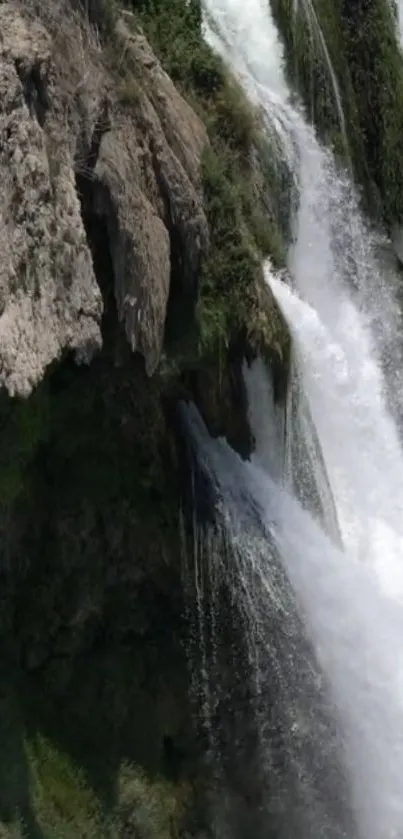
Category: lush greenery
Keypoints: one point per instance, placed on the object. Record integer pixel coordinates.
(242, 229)
(362, 43)
(45, 794)
(376, 67)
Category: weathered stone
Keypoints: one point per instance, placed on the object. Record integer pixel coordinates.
(62, 114)
(149, 172)
(49, 298)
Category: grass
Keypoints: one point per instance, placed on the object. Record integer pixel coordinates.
(241, 229)
(174, 30)
(376, 67)
(58, 783)
(64, 805)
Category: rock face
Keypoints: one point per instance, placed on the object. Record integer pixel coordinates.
(147, 186)
(49, 298)
(76, 138)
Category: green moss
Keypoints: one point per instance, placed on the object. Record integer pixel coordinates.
(230, 273)
(64, 806)
(149, 809)
(174, 30)
(24, 425)
(241, 228)
(313, 32)
(12, 831)
(376, 66)
(362, 42)
(232, 118)
(306, 59)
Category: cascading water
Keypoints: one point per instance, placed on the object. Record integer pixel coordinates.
(338, 694)
(298, 787)
(288, 446)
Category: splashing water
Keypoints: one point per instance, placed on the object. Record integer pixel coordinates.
(346, 325)
(360, 443)
(339, 600)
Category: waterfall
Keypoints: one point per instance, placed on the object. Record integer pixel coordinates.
(295, 771)
(313, 559)
(343, 384)
(286, 443)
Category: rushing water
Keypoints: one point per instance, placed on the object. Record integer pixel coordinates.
(355, 629)
(324, 554)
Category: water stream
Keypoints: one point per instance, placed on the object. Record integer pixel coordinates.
(345, 709)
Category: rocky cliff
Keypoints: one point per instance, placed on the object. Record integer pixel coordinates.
(72, 144)
(136, 207)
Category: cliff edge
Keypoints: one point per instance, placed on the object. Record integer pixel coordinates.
(75, 139)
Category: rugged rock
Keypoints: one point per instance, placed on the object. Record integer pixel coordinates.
(49, 298)
(148, 169)
(72, 130)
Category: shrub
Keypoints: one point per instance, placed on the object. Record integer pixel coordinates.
(234, 116)
(64, 805)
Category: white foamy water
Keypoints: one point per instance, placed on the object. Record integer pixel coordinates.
(361, 447)
(244, 35)
(354, 627)
(345, 320)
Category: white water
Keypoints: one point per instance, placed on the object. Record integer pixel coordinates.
(353, 625)
(359, 440)
(344, 319)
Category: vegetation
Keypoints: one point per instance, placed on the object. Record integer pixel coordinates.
(242, 231)
(54, 799)
(376, 67)
(362, 43)
(301, 25)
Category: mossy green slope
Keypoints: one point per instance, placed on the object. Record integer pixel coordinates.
(362, 41)
(242, 232)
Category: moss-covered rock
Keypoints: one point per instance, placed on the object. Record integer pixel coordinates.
(358, 43)
(376, 67)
